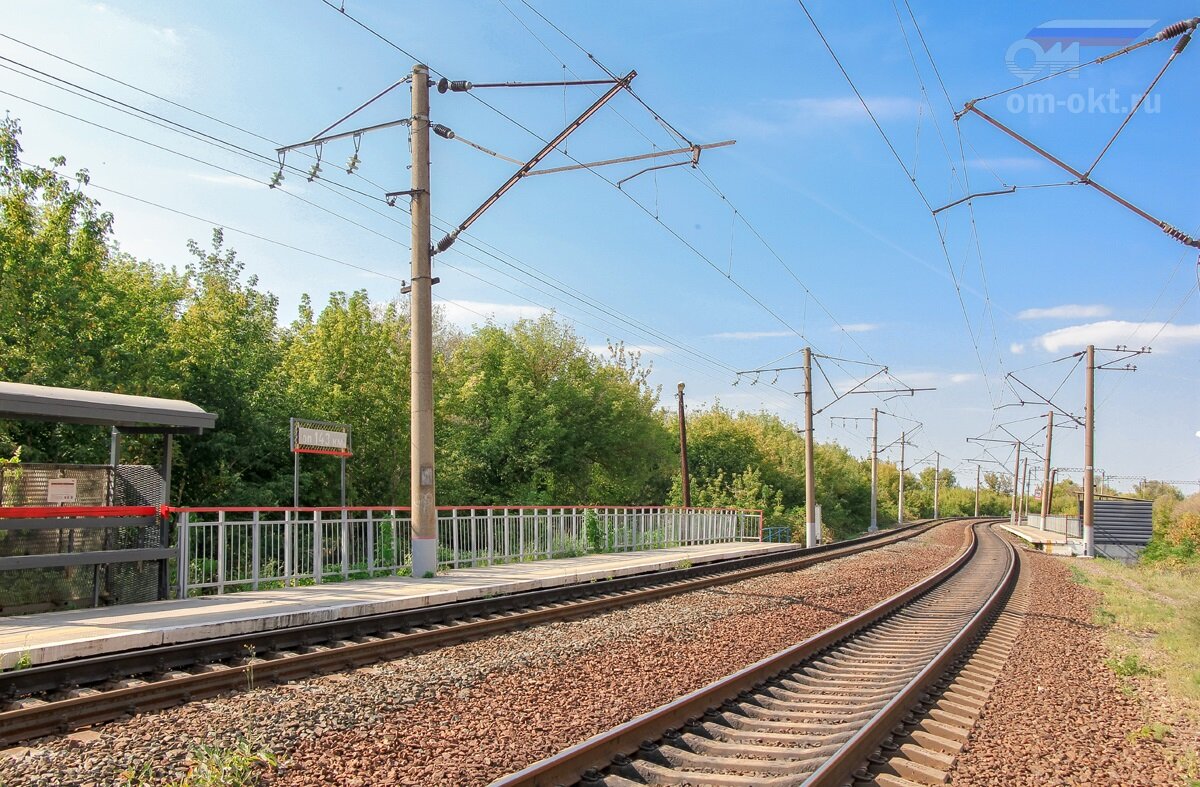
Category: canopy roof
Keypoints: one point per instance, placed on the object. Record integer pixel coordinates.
(74, 406)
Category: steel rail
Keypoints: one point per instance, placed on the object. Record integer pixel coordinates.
(570, 766)
(842, 765)
(428, 628)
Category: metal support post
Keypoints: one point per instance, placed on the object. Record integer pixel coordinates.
(1089, 454)
(423, 491)
(977, 473)
(1046, 483)
(900, 497)
(1023, 511)
(164, 522)
(811, 537)
(1014, 514)
(874, 470)
(683, 459)
(937, 471)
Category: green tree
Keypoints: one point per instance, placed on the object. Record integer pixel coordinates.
(227, 348)
(74, 310)
(529, 415)
(351, 365)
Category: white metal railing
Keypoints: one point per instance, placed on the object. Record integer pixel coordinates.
(243, 548)
(1070, 526)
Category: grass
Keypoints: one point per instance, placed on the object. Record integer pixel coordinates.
(1155, 731)
(1153, 614)
(241, 765)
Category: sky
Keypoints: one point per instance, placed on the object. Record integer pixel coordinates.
(817, 228)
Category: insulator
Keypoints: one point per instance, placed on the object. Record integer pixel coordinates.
(1179, 28)
(1182, 43)
(455, 86)
(276, 179)
(352, 164)
(443, 131)
(314, 171)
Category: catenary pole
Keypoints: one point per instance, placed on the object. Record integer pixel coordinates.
(1024, 510)
(937, 471)
(1046, 485)
(977, 472)
(874, 470)
(810, 483)
(683, 462)
(900, 500)
(1089, 453)
(423, 489)
(1014, 515)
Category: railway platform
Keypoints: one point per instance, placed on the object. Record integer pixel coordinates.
(59, 636)
(1046, 541)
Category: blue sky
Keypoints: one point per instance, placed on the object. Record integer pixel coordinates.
(807, 231)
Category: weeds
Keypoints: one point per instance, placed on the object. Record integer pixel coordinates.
(24, 661)
(1128, 666)
(682, 564)
(241, 765)
(250, 653)
(1152, 612)
(1155, 731)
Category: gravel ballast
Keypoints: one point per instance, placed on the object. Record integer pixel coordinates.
(466, 714)
(1059, 715)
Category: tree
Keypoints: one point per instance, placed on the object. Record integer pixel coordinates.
(1152, 490)
(74, 310)
(530, 415)
(227, 347)
(998, 482)
(351, 365)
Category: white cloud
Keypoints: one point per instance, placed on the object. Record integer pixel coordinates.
(860, 327)
(1016, 348)
(749, 334)
(1067, 311)
(464, 314)
(1109, 332)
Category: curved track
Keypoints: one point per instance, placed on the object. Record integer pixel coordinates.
(57, 698)
(815, 713)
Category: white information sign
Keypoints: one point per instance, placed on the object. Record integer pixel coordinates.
(61, 490)
(311, 437)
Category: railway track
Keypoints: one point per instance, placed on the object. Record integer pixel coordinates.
(60, 697)
(842, 707)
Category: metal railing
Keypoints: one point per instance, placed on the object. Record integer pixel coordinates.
(231, 549)
(1070, 526)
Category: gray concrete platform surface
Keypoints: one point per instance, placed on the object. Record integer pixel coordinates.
(59, 636)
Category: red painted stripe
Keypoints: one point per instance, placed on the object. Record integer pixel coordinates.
(43, 512)
(325, 451)
(280, 509)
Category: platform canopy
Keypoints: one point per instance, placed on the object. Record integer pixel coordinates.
(128, 413)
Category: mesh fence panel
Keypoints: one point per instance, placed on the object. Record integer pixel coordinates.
(26, 484)
(28, 590)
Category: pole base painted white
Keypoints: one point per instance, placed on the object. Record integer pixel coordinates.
(424, 557)
(812, 536)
